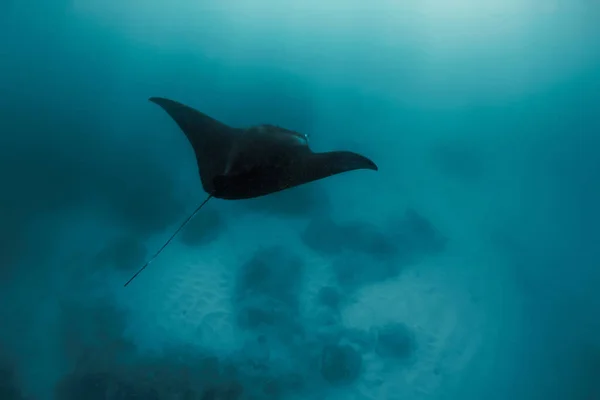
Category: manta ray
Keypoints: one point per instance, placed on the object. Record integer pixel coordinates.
(244, 163)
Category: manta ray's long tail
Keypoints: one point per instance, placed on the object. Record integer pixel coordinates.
(170, 239)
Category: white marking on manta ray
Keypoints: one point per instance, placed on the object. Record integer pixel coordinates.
(267, 128)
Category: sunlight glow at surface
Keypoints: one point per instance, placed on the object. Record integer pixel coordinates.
(460, 9)
(427, 50)
(468, 21)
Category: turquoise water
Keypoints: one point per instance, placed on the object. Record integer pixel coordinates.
(465, 268)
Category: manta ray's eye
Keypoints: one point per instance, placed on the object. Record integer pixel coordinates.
(303, 137)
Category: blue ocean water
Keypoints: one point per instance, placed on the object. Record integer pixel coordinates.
(467, 267)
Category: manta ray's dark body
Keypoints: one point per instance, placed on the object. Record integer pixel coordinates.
(246, 163)
(236, 163)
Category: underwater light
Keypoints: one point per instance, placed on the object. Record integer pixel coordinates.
(462, 22)
(476, 9)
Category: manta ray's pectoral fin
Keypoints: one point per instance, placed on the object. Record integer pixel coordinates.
(322, 165)
(211, 140)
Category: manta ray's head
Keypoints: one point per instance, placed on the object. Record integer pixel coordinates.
(277, 133)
